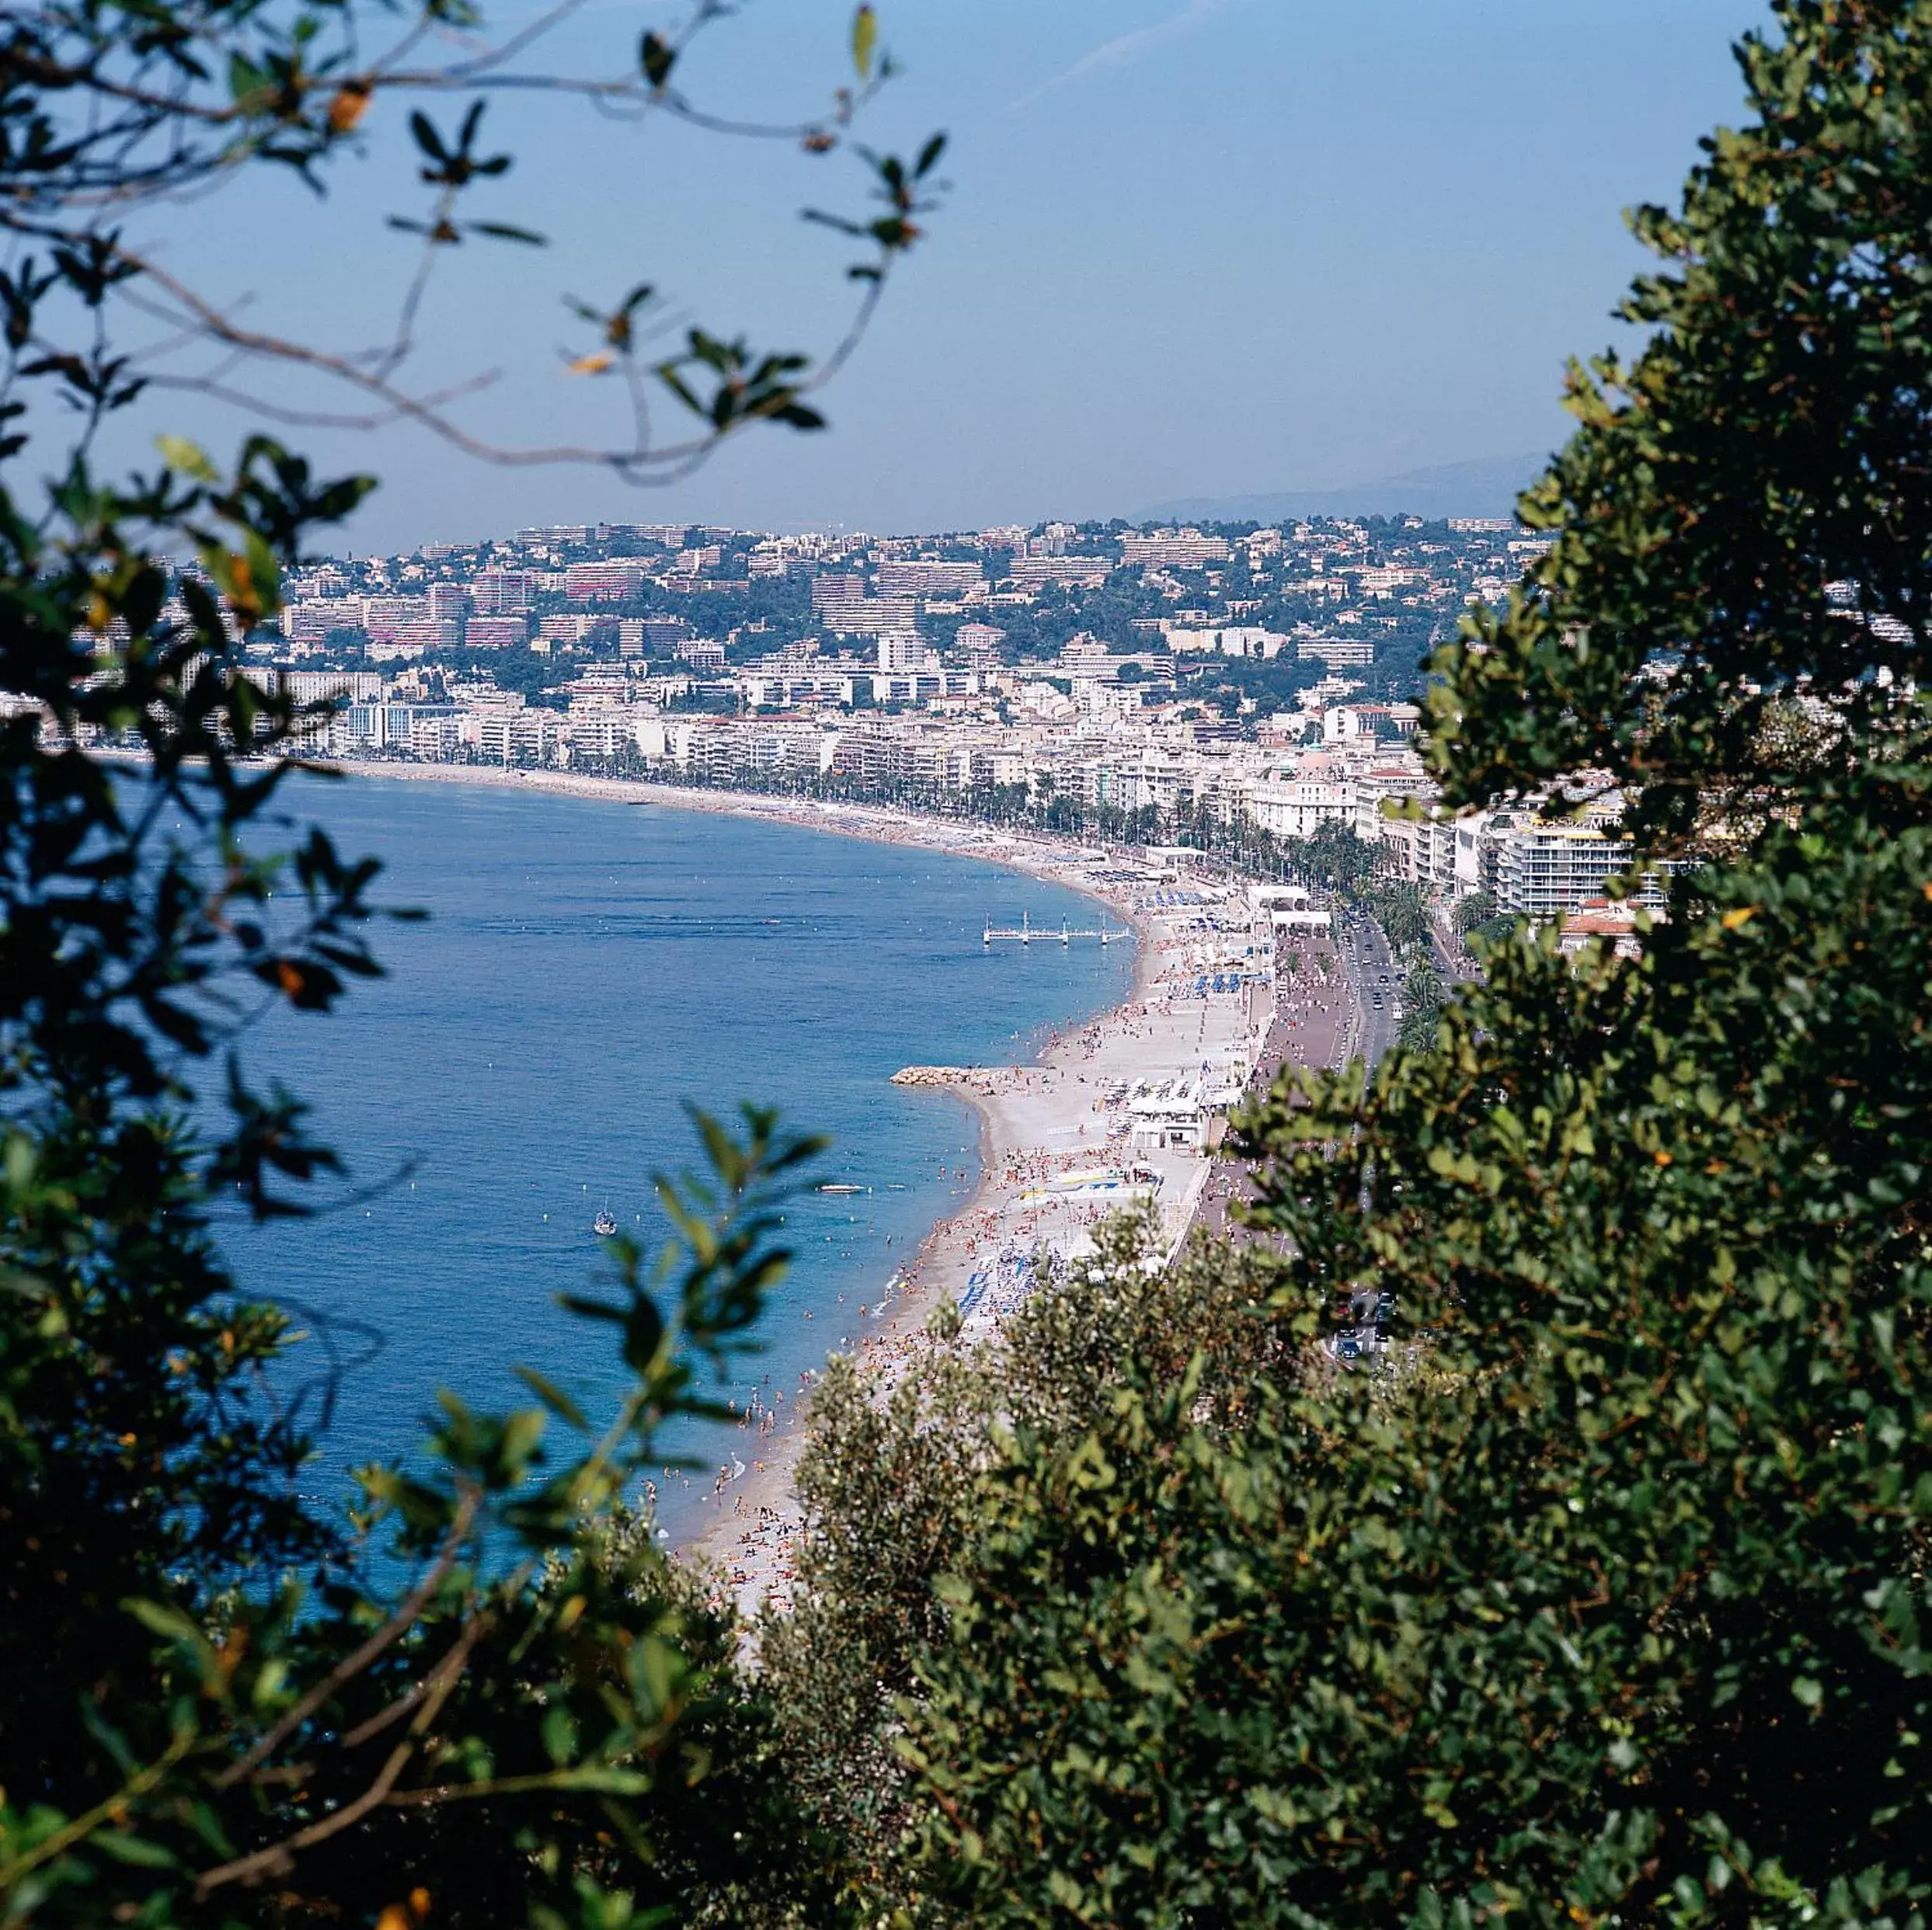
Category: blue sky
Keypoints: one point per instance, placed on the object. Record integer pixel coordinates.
(1192, 248)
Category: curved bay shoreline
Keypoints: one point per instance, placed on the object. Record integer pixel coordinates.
(1042, 1124)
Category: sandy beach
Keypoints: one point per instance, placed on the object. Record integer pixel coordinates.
(1064, 1140)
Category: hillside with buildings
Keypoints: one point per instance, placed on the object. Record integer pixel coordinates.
(1223, 686)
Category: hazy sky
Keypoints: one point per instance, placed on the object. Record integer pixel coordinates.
(1192, 247)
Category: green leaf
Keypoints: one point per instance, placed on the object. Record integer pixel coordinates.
(190, 458)
(560, 1736)
(643, 1331)
(588, 1309)
(865, 39)
(552, 1397)
(133, 1850)
(167, 1623)
(248, 84)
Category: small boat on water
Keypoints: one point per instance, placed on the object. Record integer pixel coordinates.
(605, 1224)
(841, 1186)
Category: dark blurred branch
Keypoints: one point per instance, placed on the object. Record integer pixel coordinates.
(405, 1617)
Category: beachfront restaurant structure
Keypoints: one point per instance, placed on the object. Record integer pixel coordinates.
(1224, 1076)
(1286, 907)
(1164, 1113)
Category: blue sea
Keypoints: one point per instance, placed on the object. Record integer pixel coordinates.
(586, 968)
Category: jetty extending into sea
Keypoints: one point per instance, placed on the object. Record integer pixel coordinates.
(1026, 933)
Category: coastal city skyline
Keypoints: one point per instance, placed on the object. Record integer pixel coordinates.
(1205, 683)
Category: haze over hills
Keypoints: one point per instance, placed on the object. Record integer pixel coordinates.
(1487, 486)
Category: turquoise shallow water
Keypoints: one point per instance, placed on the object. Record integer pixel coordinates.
(586, 966)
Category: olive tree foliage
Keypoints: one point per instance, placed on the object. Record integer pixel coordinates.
(892, 1484)
(468, 1688)
(1601, 1599)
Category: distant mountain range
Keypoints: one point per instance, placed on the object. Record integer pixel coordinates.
(1485, 488)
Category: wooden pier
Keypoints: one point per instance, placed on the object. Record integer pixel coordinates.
(1023, 933)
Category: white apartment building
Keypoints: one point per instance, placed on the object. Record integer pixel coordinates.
(360, 727)
(977, 645)
(1297, 808)
(704, 654)
(524, 736)
(924, 686)
(930, 577)
(386, 649)
(598, 730)
(311, 621)
(875, 753)
(1384, 582)
(866, 616)
(1174, 549)
(1132, 778)
(1543, 869)
(780, 690)
(1421, 851)
(496, 633)
(379, 614)
(900, 650)
(318, 687)
(419, 634)
(500, 592)
(1337, 652)
(1030, 572)
(603, 583)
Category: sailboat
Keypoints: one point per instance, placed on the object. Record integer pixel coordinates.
(605, 1224)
